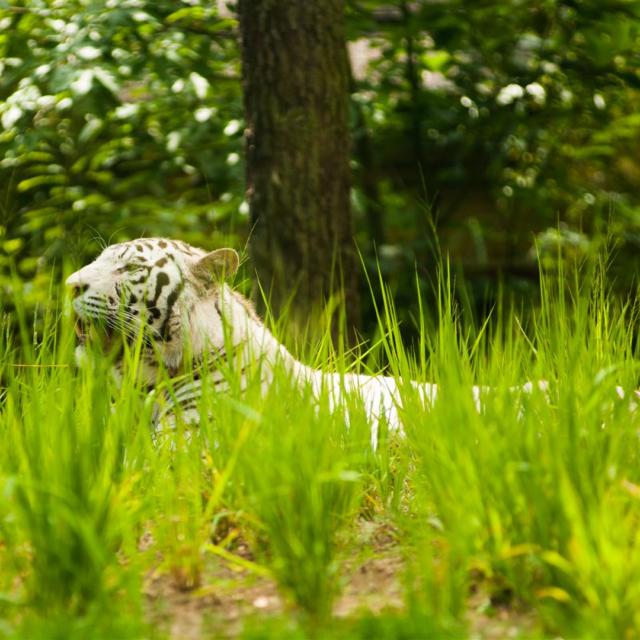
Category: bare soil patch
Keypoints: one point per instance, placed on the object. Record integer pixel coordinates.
(373, 583)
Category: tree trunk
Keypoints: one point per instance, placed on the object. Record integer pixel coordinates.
(296, 78)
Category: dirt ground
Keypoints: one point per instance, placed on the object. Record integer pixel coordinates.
(229, 595)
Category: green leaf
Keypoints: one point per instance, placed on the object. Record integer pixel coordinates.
(39, 181)
(436, 60)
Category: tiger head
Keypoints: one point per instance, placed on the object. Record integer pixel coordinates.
(145, 286)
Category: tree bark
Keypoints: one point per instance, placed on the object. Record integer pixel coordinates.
(296, 82)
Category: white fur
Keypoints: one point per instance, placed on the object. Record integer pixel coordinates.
(381, 396)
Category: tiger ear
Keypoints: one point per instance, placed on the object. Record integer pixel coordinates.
(217, 265)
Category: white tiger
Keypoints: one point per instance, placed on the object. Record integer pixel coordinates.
(176, 296)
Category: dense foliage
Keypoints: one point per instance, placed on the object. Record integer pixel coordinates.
(119, 119)
(497, 120)
(491, 121)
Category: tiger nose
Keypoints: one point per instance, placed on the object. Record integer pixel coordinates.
(78, 290)
(78, 287)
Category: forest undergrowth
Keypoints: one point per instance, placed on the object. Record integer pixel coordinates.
(276, 517)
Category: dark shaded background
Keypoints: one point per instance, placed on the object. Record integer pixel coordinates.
(489, 132)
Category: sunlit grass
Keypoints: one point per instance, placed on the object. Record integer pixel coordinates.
(534, 501)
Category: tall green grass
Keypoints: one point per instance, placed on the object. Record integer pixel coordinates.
(536, 493)
(68, 497)
(534, 502)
